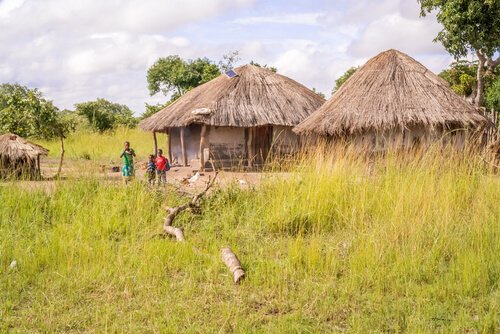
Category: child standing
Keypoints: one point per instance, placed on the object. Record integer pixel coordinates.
(128, 155)
(151, 170)
(162, 166)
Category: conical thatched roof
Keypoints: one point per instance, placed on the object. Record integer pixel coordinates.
(392, 91)
(257, 96)
(14, 147)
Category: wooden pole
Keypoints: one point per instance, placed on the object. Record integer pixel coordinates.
(183, 147)
(203, 140)
(250, 147)
(155, 143)
(38, 166)
(169, 145)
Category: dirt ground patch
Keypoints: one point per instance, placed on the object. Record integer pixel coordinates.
(180, 177)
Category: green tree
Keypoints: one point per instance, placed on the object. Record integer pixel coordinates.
(104, 115)
(152, 109)
(173, 75)
(492, 99)
(461, 77)
(340, 81)
(469, 26)
(272, 68)
(27, 113)
(319, 93)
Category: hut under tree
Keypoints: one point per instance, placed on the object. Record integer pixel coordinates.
(394, 101)
(237, 118)
(20, 158)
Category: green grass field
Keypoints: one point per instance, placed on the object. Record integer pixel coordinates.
(103, 147)
(412, 245)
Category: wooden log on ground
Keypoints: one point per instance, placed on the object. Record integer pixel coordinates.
(231, 261)
(178, 233)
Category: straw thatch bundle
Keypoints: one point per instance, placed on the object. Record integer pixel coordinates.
(256, 97)
(19, 157)
(392, 91)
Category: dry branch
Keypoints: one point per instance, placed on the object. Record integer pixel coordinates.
(231, 261)
(178, 233)
(173, 212)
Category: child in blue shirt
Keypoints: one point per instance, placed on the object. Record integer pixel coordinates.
(151, 170)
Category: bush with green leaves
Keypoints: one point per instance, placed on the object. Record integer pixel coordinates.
(104, 115)
(27, 113)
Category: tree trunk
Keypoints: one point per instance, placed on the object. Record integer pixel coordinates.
(479, 100)
(59, 168)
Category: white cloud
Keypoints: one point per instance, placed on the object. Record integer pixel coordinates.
(8, 6)
(396, 31)
(81, 50)
(300, 18)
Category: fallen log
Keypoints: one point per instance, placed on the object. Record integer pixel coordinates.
(231, 261)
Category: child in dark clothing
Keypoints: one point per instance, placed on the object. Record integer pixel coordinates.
(151, 170)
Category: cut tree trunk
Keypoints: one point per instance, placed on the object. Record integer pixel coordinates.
(231, 261)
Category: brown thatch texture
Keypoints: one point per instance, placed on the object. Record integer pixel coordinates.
(392, 91)
(256, 97)
(14, 148)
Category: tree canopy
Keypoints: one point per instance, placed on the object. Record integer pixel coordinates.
(340, 81)
(461, 75)
(27, 113)
(469, 26)
(272, 68)
(174, 75)
(153, 109)
(104, 115)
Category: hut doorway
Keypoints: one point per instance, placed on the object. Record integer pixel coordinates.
(260, 145)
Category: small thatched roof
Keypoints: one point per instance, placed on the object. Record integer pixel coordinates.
(255, 97)
(14, 147)
(392, 91)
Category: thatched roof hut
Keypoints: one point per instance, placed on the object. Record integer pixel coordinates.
(235, 117)
(19, 158)
(392, 94)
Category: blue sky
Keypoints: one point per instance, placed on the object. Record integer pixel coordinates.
(76, 51)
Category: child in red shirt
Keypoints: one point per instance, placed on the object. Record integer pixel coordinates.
(162, 166)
